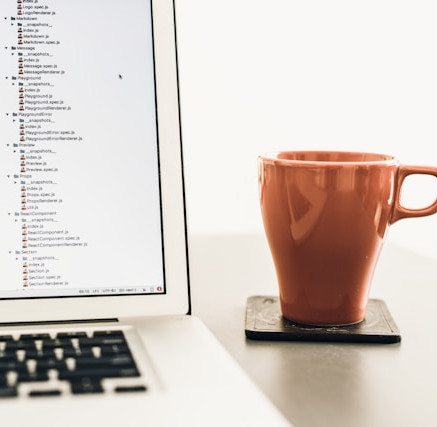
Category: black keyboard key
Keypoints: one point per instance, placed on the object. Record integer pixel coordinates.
(8, 392)
(45, 393)
(120, 360)
(108, 333)
(8, 355)
(128, 389)
(13, 365)
(45, 353)
(34, 337)
(44, 365)
(57, 343)
(36, 376)
(99, 372)
(70, 335)
(3, 380)
(20, 345)
(6, 338)
(102, 340)
(110, 350)
(78, 352)
(86, 385)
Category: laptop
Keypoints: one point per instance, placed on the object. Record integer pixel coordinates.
(95, 323)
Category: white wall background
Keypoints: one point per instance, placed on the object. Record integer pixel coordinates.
(259, 75)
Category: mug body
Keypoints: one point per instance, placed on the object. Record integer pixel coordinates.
(325, 216)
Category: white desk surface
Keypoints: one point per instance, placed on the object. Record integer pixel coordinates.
(326, 384)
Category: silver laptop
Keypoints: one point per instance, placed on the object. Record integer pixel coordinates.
(94, 293)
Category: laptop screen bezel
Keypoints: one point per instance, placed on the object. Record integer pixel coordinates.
(176, 298)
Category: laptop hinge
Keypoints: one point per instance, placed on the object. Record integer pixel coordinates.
(58, 322)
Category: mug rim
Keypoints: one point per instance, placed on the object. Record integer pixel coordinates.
(280, 157)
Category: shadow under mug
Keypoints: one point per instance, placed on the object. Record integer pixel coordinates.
(326, 214)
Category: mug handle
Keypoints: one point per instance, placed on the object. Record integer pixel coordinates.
(399, 211)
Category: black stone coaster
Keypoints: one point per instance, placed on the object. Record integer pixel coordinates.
(264, 321)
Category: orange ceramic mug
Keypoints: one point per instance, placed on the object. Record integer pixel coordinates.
(325, 215)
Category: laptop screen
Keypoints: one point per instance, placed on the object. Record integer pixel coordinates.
(80, 210)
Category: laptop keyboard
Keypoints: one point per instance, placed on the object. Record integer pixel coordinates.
(78, 359)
